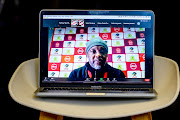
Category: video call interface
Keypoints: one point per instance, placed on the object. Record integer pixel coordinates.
(67, 43)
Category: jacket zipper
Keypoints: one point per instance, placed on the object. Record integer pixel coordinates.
(95, 74)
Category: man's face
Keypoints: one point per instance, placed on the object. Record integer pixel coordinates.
(97, 56)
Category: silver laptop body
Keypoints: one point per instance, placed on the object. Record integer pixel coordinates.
(66, 69)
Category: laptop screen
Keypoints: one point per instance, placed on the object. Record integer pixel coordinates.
(97, 47)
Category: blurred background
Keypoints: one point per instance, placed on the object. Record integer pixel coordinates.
(19, 35)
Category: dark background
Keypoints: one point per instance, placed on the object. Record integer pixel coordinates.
(19, 35)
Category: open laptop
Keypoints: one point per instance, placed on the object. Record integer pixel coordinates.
(65, 64)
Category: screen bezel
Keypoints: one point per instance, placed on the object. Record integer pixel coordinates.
(43, 48)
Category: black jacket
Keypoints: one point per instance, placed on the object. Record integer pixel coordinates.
(83, 72)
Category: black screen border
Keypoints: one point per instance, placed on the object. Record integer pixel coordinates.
(43, 48)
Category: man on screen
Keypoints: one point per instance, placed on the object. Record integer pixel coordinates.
(97, 67)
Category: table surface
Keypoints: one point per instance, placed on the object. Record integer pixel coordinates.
(25, 81)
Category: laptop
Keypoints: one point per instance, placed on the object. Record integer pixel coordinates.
(96, 53)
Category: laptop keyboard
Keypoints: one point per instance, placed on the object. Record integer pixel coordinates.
(92, 89)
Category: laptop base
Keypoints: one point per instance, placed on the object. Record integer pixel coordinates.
(124, 93)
